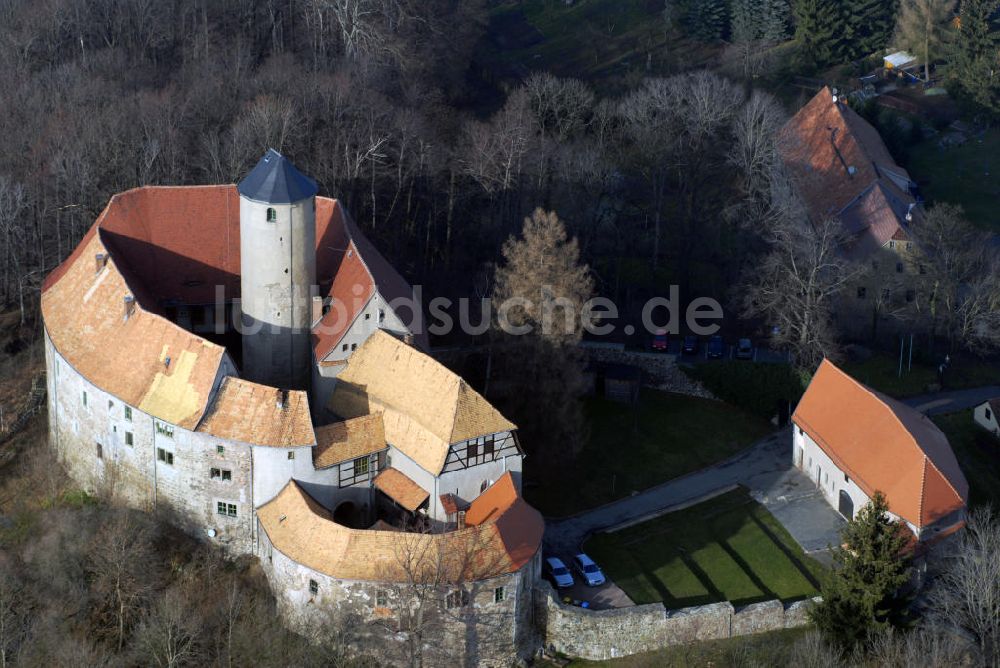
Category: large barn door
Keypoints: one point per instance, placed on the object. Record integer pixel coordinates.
(846, 505)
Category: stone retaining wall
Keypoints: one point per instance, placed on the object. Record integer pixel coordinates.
(659, 370)
(606, 634)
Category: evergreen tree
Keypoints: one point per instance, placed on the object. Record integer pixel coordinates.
(975, 61)
(869, 568)
(758, 20)
(868, 26)
(706, 20)
(773, 23)
(818, 30)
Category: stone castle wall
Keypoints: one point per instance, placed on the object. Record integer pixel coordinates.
(606, 634)
(659, 370)
(484, 632)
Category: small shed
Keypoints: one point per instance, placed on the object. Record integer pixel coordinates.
(899, 61)
(620, 382)
(985, 415)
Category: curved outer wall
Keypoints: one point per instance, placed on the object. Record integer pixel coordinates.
(278, 272)
(486, 632)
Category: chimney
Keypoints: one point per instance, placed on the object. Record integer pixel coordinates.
(100, 261)
(129, 306)
(460, 515)
(282, 399)
(408, 339)
(317, 308)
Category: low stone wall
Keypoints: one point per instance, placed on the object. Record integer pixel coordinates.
(659, 370)
(606, 634)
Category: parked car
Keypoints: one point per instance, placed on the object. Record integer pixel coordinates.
(557, 572)
(716, 348)
(588, 570)
(690, 346)
(744, 350)
(660, 342)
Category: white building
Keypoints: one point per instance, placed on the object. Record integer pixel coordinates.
(985, 415)
(853, 441)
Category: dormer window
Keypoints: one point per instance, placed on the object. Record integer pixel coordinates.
(272, 215)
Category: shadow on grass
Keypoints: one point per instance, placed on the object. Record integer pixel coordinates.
(789, 554)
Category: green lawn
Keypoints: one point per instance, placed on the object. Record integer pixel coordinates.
(881, 373)
(631, 449)
(968, 175)
(978, 454)
(727, 549)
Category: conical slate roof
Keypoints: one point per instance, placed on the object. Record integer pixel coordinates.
(275, 180)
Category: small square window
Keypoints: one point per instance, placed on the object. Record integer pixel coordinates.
(165, 456)
(111, 405)
(909, 245)
(272, 215)
(911, 295)
(129, 439)
(862, 292)
(226, 509)
(100, 451)
(354, 346)
(368, 316)
(226, 475)
(457, 599)
(899, 267)
(361, 466)
(313, 587)
(85, 397)
(215, 473)
(499, 594)
(892, 244)
(291, 454)
(488, 447)
(381, 599)
(471, 451)
(128, 413)
(846, 479)
(343, 348)
(220, 450)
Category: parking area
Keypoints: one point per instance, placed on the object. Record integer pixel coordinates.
(602, 597)
(760, 353)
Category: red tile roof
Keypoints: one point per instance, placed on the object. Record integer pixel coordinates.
(400, 488)
(175, 245)
(842, 169)
(883, 445)
(502, 534)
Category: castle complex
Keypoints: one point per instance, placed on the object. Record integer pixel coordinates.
(243, 357)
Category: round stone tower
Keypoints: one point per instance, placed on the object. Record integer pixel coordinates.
(277, 272)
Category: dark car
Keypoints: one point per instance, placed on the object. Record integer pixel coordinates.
(744, 350)
(690, 346)
(660, 341)
(716, 348)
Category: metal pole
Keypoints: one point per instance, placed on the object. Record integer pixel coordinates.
(901, 344)
(909, 363)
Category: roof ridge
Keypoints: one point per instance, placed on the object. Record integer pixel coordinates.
(910, 437)
(923, 486)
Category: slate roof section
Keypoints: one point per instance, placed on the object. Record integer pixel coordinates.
(347, 440)
(400, 488)
(275, 180)
(502, 534)
(259, 414)
(425, 407)
(883, 445)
